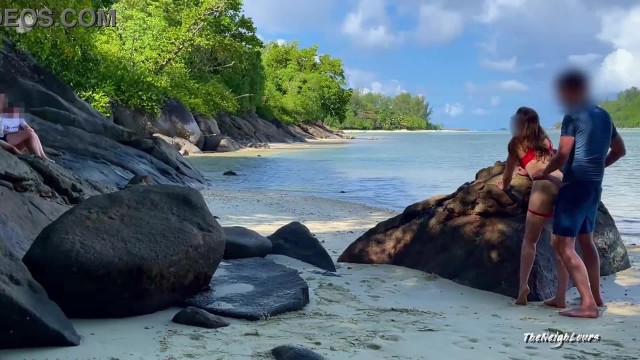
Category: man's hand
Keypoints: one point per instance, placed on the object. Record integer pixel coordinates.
(538, 174)
(522, 171)
(28, 128)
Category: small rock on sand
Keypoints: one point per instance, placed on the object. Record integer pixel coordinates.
(295, 352)
(230, 173)
(197, 317)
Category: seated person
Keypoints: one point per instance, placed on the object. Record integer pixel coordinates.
(16, 132)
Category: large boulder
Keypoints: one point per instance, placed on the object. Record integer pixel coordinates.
(127, 253)
(175, 120)
(244, 243)
(253, 289)
(473, 237)
(27, 317)
(296, 241)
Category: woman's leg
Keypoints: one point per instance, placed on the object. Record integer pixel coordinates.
(532, 229)
(560, 300)
(28, 139)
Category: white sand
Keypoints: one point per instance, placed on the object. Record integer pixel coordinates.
(369, 312)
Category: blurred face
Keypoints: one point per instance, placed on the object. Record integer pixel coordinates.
(570, 97)
(516, 125)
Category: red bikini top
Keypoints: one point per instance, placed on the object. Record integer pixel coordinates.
(531, 154)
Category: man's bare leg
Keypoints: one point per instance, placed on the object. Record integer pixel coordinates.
(592, 263)
(560, 299)
(533, 227)
(578, 272)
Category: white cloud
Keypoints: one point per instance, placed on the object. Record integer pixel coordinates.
(495, 101)
(480, 112)
(437, 25)
(507, 65)
(281, 42)
(369, 26)
(367, 82)
(493, 10)
(490, 46)
(455, 109)
(512, 85)
(584, 59)
(619, 69)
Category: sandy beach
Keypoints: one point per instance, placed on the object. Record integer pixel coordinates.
(366, 312)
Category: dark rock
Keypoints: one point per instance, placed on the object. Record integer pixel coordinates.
(230, 173)
(294, 352)
(27, 317)
(253, 289)
(183, 146)
(296, 241)
(128, 253)
(175, 121)
(197, 317)
(473, 237)
(139, 180)
(243, 243)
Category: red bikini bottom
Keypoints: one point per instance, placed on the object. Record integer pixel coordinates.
(546, 216)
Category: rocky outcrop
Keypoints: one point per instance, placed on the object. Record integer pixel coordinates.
(295, 352)
(296, 241)
(192, 316)
(473, 237)
(253, 289)
(243, 243)
(174, 121)
(93, 155)
(27, 317)
(127, 253)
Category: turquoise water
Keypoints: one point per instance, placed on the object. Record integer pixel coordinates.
(399, 169)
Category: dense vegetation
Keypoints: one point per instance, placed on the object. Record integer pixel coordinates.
(625, 110)
(206, 54)
(367, 111)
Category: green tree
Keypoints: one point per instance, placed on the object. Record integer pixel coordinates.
(625, 110)
(302, 86)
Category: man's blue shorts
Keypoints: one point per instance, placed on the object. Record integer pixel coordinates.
(576, 208)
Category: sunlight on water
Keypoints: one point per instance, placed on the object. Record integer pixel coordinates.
(399, 169)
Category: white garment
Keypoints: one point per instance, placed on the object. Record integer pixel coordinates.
(11, 124)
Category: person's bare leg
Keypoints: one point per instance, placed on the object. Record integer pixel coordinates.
(578, 272)
(532, 229)
(29, 139)
(592, 263)
(560, 299)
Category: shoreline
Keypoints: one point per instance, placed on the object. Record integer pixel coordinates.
(366, 311)
(278, 147)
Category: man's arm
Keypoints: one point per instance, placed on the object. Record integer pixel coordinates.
(617, 151)
(567, 141)
(560, 158)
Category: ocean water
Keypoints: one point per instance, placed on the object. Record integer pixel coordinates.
(397, 169)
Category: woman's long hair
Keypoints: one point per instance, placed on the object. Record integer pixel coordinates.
(529, 134)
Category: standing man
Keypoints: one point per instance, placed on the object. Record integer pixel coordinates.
(589, 142)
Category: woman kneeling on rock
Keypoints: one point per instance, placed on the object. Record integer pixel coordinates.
(17, 133)
(531, 148)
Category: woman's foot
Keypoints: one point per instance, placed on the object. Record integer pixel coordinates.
(522, 296)
(555, 302)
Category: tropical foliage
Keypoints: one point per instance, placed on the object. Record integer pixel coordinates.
(206, 54)
(625, 110)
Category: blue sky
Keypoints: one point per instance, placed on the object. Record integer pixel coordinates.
(476, 61)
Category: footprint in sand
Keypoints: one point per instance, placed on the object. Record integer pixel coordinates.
(390, 337)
